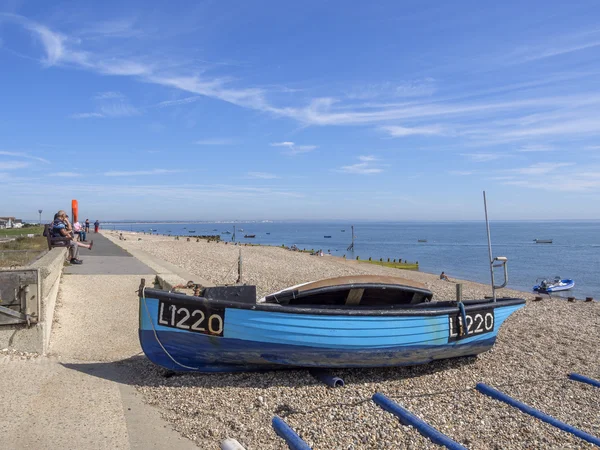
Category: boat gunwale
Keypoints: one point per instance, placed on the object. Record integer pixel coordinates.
(420, 309)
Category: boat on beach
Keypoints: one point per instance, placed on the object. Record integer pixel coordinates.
(355, 321)
(556, 285)
(349, 321)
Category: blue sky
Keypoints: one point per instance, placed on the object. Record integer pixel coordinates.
(218, 110)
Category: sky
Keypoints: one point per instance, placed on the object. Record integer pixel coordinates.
(313, 110)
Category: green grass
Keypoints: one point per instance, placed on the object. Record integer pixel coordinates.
(36, 229)
(394, 265)
(21, 251)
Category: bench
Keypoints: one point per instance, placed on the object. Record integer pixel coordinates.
(54, 241)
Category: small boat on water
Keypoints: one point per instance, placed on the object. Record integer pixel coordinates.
(353, 321)
(191, 231)
(422, 240)
(225, 232)
(268, 233)
(215, 229)
(543, 241)
(249, 236)
(556, 285)
(241, 230)
(327, 237)
(343, 231)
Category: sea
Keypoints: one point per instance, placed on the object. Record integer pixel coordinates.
(457, 248)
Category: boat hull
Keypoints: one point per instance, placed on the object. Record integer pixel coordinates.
(565, 285)
(254, 339)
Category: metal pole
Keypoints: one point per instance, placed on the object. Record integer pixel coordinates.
(239, 280)
(487, 224)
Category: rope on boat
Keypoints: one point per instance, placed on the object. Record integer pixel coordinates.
(464, 328)
(158, 340)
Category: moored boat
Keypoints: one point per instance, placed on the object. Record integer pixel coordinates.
(360, 321)
(556, 285)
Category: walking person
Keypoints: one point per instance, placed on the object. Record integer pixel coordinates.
(87, 225)
(96, 226)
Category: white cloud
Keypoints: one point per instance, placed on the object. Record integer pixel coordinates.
(461, 173)
(398, 131)
(116, 173)
(263, 175)
(367, 158)
(118, 109)
(67, 174)
(88, 115)
(367, 166)
(482, 157)
(536, 148)
(283, 144)
(293, 149)
(541, 168)
(12, 165)
(109, 95)
(215, 141)
(24, 155)
(182, 101)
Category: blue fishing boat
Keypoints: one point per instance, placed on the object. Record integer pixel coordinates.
(362, 321)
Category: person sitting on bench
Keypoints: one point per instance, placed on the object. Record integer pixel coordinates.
(59, 229)
(80, 231)
(62, 228)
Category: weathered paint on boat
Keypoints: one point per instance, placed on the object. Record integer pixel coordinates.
(265, 339)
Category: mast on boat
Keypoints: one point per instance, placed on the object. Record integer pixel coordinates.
(351, 246)
(498, 261)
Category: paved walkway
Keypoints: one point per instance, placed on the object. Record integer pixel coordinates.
(79, 396)
(106, 258)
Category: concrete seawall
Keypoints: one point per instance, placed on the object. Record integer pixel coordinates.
(35, 338)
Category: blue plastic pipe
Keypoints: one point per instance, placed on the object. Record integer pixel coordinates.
(490, 391)
(327, 378)
(407, 418)
(284, 431)
(577, 377)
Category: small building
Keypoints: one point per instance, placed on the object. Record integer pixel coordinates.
(3, 224)
(11, 222)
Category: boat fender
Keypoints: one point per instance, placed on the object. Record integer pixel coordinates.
(284, 431)
(463, 326)
(491, 392)
(407, 418)
(327, 378)
(582, 379)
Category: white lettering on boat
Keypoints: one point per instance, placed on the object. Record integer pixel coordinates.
(196, 318)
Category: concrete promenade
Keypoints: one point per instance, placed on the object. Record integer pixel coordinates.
(79, 396)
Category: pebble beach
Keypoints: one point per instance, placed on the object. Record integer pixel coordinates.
(536, 348)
